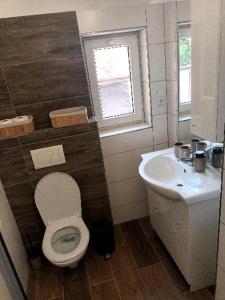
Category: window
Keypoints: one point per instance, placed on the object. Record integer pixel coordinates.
(113, 65)
(184, 33)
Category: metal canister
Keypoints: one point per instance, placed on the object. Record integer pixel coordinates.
(194, 145)
(217, 157)
(184, 152)
(200, 161)
(177, 149)
(201, 146)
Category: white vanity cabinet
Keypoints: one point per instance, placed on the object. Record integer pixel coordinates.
(189, 232)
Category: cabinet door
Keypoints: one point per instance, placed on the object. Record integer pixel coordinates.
(180, 240)
(169, 219)
(160, 216)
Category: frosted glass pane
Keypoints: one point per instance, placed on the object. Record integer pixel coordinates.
(114, 82)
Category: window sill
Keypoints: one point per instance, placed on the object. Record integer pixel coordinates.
(123, 129)
(183, 118)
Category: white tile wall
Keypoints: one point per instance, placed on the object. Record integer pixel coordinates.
(12, 238)
(172, 129)
(185, 130)
(172, 97)
(155, 88)
(127, 141)
(160, 129)
(171, 61)
(124, 165)
(122, 152)
(184, 11)
(157, 62)
(155, 23)
(170, 20)
(129, 212)
(115, 19)
(161, 146)
(127, 191)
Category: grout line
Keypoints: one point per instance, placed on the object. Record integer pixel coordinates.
(38, 282)
(102, 282)
(136, 266)
(44, 60)
(130, 150)
(63, 288)
(88, 279)
(55, 139)
(117, 288)
(10, 95)
(129, 203)
(115, 279)
(167, 272)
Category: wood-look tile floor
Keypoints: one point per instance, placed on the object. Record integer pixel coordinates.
(140, 269)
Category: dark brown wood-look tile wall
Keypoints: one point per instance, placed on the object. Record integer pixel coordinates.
(42, 69)
(40, 37)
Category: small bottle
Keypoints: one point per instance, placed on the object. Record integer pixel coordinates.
(217, 157)
(200, 161)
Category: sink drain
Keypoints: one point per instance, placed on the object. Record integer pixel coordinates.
(179, 184)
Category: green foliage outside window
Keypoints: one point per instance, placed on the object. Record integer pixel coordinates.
(185, 51)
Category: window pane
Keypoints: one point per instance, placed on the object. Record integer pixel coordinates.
(114, 82)
(185, 64)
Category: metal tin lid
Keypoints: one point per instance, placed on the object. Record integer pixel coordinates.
(218, 150)
(200, 154)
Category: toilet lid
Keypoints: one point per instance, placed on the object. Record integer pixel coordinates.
(57, 196)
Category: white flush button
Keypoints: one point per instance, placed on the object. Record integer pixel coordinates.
(47, 157)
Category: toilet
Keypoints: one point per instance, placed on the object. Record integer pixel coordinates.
(58, 199)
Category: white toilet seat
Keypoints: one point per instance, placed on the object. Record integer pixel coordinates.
(53, 227)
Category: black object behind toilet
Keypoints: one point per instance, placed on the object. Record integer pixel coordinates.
(102, 238)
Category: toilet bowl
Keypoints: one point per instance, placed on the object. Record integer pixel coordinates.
(57, 197)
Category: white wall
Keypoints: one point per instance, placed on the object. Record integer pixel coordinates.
(122, 152)
(4, 291)
(13, 239)
(175, 12)
(13, 8)
(220, 289)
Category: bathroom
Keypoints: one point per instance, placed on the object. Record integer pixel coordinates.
(91, 178)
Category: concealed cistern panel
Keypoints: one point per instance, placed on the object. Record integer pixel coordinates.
(47, 157)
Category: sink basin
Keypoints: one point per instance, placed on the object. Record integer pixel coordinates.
(177, 180)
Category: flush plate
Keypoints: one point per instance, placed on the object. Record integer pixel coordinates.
(47, 157)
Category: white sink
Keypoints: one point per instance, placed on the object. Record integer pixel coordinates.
(177, 180)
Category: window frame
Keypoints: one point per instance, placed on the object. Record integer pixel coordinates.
(130, 39)
(184, 108)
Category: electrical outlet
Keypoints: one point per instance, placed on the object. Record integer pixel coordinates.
(161, 97)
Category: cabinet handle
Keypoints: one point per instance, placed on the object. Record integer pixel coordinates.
(178, 223)
(155, 208)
